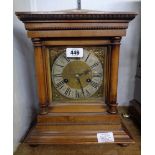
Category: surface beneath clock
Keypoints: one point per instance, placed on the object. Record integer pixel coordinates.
(99, 149)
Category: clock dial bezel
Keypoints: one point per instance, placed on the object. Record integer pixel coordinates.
(71, 76)
(100, 52)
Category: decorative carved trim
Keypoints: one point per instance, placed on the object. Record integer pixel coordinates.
(29, 16)
(79, 28)
(75, 26)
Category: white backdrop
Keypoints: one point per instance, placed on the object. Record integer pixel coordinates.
(25, 98)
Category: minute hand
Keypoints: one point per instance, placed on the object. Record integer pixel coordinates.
(80, 85)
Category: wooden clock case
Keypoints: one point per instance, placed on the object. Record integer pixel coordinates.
(76, 123)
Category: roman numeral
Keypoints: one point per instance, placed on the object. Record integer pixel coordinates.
(60, 65)
(94, 65)
(97, 75)
(77, 95)
(57, 75)
(60, 84)
(88, 93)
(68, 91)
(66, 59)
(87, 57)
(94, 84)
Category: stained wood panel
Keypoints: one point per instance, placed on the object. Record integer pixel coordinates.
(74, 107)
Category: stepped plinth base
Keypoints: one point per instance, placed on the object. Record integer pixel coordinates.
(77, 128)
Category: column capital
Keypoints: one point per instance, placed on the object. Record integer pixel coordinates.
(116, 40)
(36, 42)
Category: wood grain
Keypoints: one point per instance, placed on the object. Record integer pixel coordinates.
(114, 64)
(76, 33)
(40, 75)
(74, 107)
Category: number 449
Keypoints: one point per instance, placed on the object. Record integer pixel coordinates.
(74, 52)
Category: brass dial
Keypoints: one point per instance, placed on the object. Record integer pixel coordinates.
(77, 78)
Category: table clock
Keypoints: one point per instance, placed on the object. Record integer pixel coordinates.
(77, 60)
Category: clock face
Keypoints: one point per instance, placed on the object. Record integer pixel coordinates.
(77, 78)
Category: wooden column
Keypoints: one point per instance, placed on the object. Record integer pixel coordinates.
(40, 75)
(112, 106)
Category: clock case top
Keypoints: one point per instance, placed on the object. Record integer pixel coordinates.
(76, 28)
(67, 23)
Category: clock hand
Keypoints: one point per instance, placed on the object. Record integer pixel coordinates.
(85, 72)
(78, 79)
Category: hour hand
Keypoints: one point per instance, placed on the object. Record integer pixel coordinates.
(85, 72)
